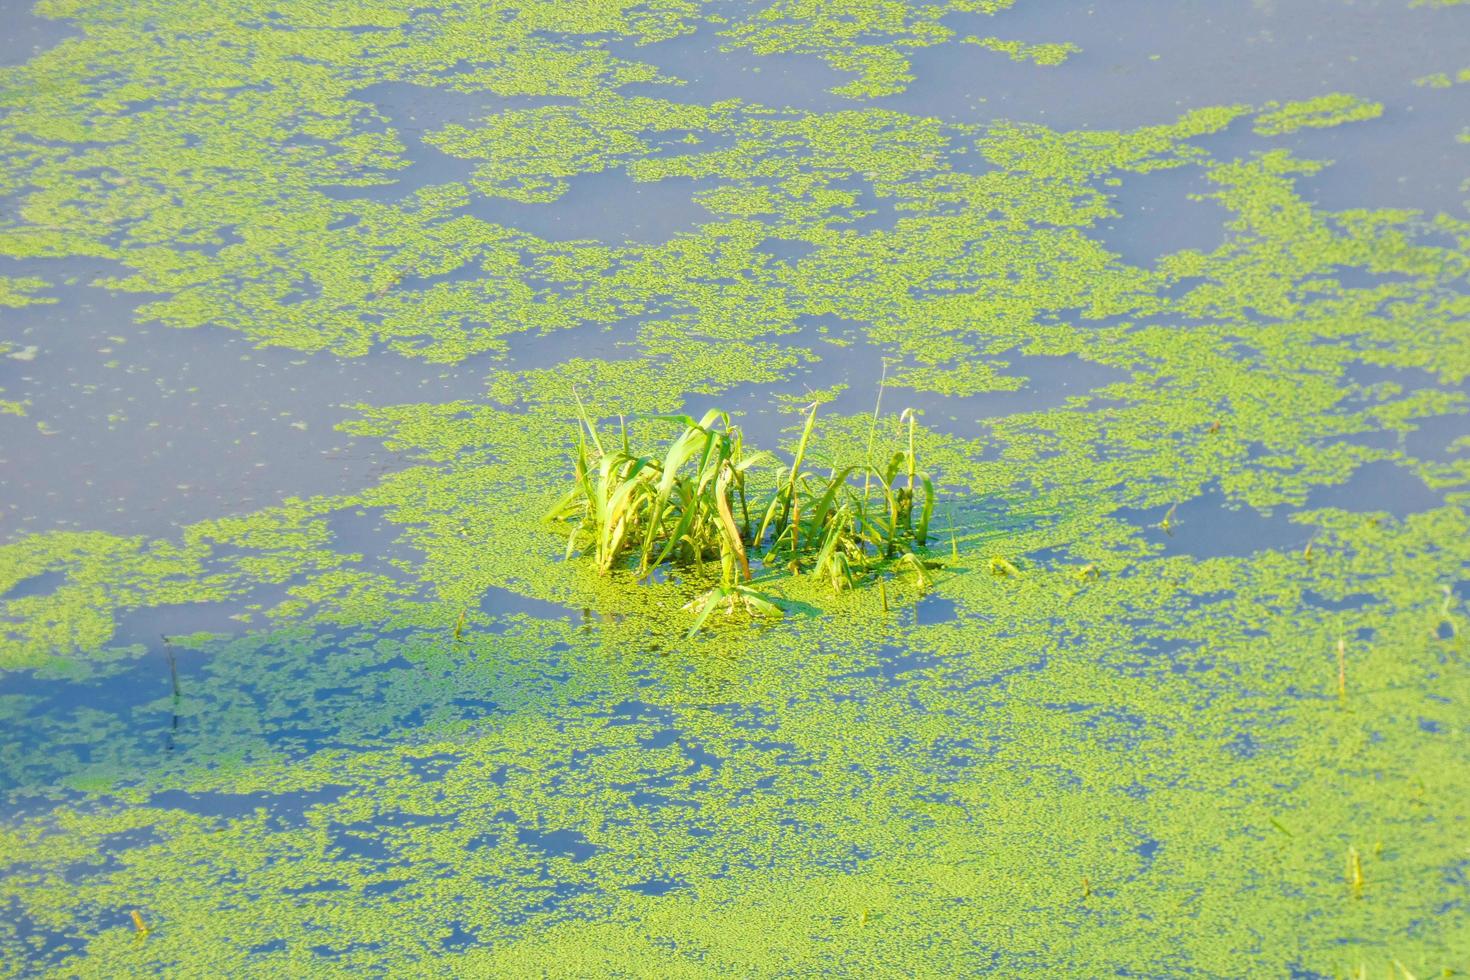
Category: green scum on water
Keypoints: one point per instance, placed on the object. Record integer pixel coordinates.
(1086, 745)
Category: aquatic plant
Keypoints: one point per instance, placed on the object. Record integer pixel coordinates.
(675, 506)
(843, 523)
(678, 507)
(1003, 568)
(732, 597)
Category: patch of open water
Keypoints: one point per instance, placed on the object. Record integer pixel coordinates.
(140, 429)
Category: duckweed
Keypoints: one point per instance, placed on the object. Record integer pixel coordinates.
(1089, 746)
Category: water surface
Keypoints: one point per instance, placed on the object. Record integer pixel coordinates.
(295, 300)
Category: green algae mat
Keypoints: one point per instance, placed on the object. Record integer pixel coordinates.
(301, 305)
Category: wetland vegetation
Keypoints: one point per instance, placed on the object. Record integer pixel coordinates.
(369, 531)
(680, 506)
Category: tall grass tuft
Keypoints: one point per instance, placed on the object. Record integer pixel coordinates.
(679, 506)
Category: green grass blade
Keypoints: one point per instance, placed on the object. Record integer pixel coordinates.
(776, 507)
(921, 534)
(757, 602)
(714, 598)
(829, 547)
(727, 520)
(873, 431)
(835, 485)
(587, 422)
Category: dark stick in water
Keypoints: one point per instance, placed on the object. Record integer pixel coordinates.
(173, 666)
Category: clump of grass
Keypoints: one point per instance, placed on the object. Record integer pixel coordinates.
(677, 506)
(640, 510)
(846, 535)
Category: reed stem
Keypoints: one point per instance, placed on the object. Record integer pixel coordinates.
(173, 666)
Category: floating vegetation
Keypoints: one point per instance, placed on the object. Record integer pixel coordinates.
(408, 753)
(20, 291)
(1003, 568)
(1037, 54)
(637, 511)
(1444, 79)
(1321, 112)
(1446, 617)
